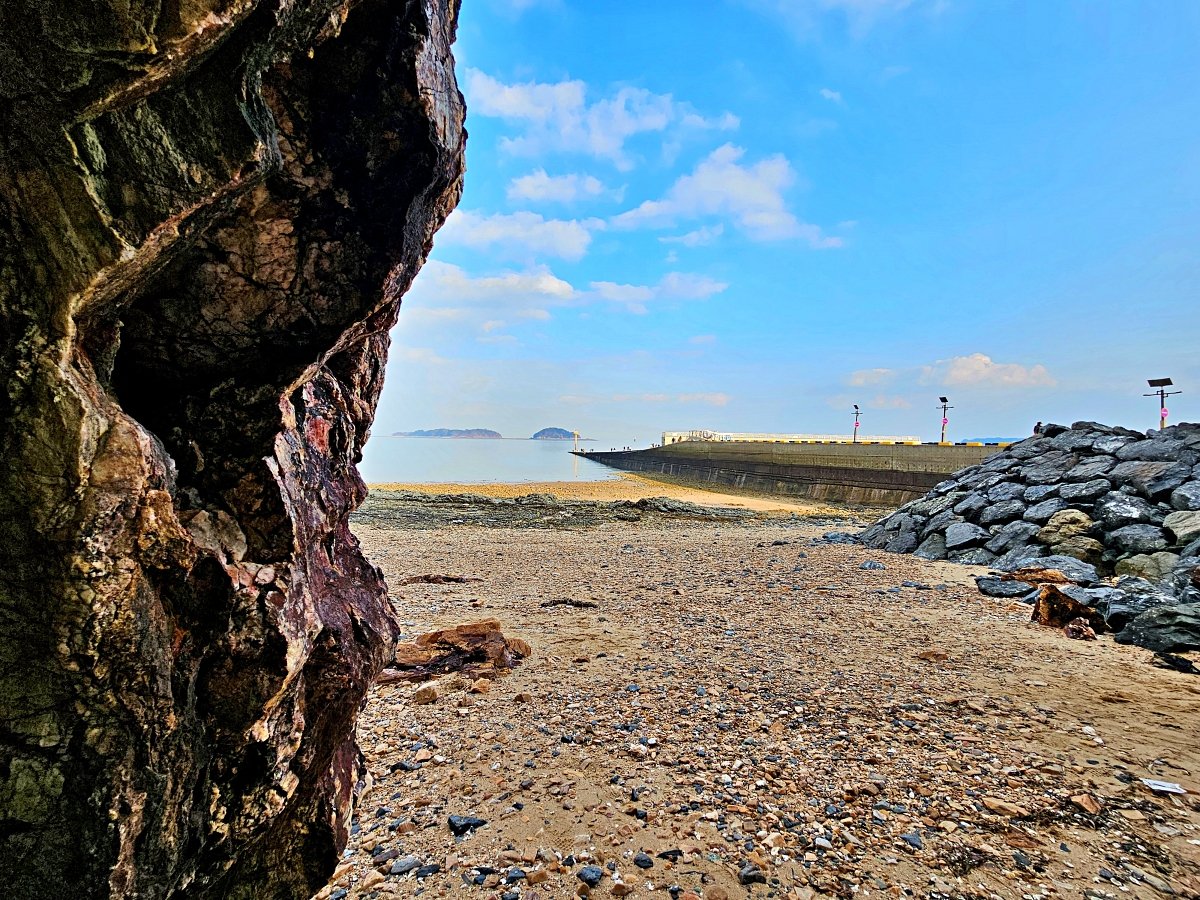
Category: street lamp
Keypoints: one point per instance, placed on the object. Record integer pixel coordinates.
(945, 420)
(856, 415)
(1162, 394)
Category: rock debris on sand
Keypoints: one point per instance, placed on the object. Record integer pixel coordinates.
(749, 711)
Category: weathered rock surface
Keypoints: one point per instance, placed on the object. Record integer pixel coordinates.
(210, 212)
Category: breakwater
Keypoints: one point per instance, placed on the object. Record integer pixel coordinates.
(877, 474)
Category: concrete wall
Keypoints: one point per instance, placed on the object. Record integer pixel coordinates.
(876, 474)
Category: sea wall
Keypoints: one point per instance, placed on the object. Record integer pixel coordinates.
(875, 474)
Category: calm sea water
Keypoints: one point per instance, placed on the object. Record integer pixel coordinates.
(464, 461)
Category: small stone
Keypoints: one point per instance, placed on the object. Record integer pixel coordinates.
(913, 840)
(751, 874)
(590, 875)
(481, 686)
(405, 865)
(1087, 803)
(460, 825)
(642, 861)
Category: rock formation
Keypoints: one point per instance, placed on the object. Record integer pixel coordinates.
(209, 212)
(1088, 501)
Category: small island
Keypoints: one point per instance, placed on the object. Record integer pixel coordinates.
(555, 434)
(476, 433)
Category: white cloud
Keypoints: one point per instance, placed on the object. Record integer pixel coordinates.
(835, 96)
(441, 283)
(701, 236)
(522, 233)
(672, 286)
(702, 339)
(557, 117)
(656, 398)
(537, 185)
(714, 399)
(883, 401)
(864, 377)
(751, 195)
(978, 370)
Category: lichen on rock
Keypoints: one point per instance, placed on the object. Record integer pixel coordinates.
(211, 212)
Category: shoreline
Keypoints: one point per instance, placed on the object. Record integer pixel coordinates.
(626, 486)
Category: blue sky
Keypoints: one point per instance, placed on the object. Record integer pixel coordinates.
(749, 215)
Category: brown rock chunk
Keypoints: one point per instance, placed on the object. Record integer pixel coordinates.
(1056, 609)
(1004, 808)
(471, 648)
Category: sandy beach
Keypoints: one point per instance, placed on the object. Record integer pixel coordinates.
(747, 709)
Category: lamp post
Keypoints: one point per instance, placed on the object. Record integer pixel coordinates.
(856, 415)
(945, 420)
(1162, 394)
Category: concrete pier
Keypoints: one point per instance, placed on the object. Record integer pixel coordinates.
(873, 474)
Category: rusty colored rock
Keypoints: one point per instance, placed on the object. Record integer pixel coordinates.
(1056, 609)
(477, 648)
(209, 212)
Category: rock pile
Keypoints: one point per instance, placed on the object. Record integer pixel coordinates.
(1090, 501)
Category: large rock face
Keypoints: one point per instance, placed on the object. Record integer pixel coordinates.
(209, 212)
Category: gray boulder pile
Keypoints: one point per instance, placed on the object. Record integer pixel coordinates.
(1115, 510)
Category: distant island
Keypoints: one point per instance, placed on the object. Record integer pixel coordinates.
(477, 433)
(555, 434)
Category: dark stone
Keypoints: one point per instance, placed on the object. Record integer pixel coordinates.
(1092, 467)
(590, 875)
(995, 587)
(751, 874)
(1019, 557)
(426, 871)
(1112, 443)
(1129, 599)
(871, 564)
(1001, 512)
(971, 505)
(1165, 629)
(1186, 496)
(405, 865)
(939, 522)
(209, 213)
(1041, 512)
(1116, 510)
(973, 556)
(933, 547)
(1154, 450)
(460, 825)
(913, 840)
(902, 542)
(642, 861)
(1005, 490)
(930, 506)
(1151, 479)
(1036, 493)
(1014, 534)
(1076, 570)
(1137, 539)
(1085, 493)
(964, 534)
(1049, 468)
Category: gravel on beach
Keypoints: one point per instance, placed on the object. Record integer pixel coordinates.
(751, 711)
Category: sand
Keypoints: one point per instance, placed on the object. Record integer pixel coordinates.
(754, 705)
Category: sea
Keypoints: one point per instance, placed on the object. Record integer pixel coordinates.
(410, 460)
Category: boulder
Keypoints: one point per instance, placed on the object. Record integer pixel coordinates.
(1111, 444)
(1137, 539)
(1064, 524)
(939, 522)
(1150, 479)
(997, 587)
(1049, 469)
(1165, 629)
(1006, 490)
(1186, 496)
(970, 505)
(1019, 557)
(933, 547)
(1042, 512)
(1158, 450)
(902, 542)
(964, 534)
(1183, 582)
(1014, 534)
(1116, 510)
(1183, 525)
(1071, 569)
(1085, 492)
(1131, 597)
(1081, 547)
(1003, 511)
(1088, 469)
(1153, 567)
(971, 556)
(1036, 493)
